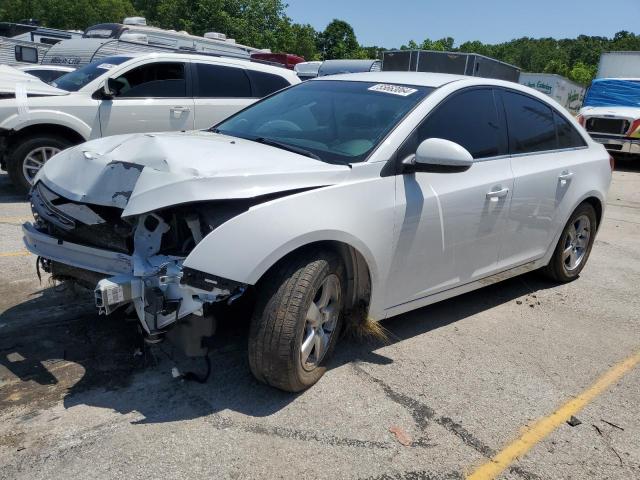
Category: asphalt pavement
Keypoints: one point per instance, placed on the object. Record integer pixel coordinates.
(460, 383)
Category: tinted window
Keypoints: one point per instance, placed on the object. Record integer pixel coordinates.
(158, 80)
(469, 119)
(74, 81)
(215, 81)
(266, 83)
(531, 124)
(568, 137)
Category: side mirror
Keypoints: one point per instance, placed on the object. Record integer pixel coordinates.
(111, 88)
(439, 155)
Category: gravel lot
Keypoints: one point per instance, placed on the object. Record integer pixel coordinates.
(458, 382)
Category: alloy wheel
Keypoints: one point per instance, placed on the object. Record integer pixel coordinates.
(321, 322)
(576, 243)
(34, 161)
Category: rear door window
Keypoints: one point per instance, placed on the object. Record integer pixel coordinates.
(154, 80)
(568, 136)
(266, 83)
(532, 126)
(470, 119)
(217, 81)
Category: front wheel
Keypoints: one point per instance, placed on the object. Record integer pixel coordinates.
(573, 248)
(297, 321)
(30, 155)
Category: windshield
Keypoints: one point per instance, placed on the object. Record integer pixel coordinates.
(335, 121)
(74, 81)
(613, 93)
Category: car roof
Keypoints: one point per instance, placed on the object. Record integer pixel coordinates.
(433, 80)
(407, 78)
(239, 62)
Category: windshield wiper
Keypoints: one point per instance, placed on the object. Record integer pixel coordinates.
(286, 146)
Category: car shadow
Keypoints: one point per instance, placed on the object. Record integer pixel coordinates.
(9, 193)
(83, 359)
(627, 164)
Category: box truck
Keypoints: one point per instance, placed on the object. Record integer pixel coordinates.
(619, 65)
(611, 107)
(567, 93)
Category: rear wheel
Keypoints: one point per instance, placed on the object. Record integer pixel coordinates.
(573, 249)
(28, 157)
(297, 321)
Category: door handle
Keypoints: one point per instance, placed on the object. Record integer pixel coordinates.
(564, 177)
(180, 109)
(177, 112)
(495, 195)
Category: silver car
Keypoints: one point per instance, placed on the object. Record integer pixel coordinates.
(352, 198)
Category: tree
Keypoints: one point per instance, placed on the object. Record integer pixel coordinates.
(298, 39)
(442, 45)
(412, 45)
(582, 73)
(371, 52)
(338, 41)
(557, 67)
(67, 14)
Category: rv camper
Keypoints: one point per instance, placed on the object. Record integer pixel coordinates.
(133, 35)
(25, 44)
(135, 29)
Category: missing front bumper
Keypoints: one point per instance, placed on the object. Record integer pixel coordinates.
(158, 294)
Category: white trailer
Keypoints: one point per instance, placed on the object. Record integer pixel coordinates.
(567, 93)
(619, 65)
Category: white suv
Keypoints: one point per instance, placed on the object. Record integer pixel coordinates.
(124, 94)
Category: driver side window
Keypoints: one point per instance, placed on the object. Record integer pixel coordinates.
(154, 80)
(469, 118)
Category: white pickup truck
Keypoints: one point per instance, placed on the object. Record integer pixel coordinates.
(611, 114)
(126, 93)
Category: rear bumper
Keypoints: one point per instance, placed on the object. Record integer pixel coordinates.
(618, 144)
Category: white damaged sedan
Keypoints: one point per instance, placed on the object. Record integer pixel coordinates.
(357, 196)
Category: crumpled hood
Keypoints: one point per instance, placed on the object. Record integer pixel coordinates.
(630, 113)
(12, 78)
(146, 172)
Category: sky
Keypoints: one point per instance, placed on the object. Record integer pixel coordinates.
(391, 23)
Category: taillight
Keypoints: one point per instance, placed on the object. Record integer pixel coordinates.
(580, 119)
(635, 128)
(612, 162)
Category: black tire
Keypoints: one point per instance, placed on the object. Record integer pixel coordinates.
(558, 268)
(279, 322)
(23, 147)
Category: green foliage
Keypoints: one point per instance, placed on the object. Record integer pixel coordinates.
(66, 14)
(264, 24)
(338, 41)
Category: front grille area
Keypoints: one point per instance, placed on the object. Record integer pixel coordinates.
(613, 126)
(89, 225)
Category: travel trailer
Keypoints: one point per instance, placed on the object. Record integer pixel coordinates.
(26, 44)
